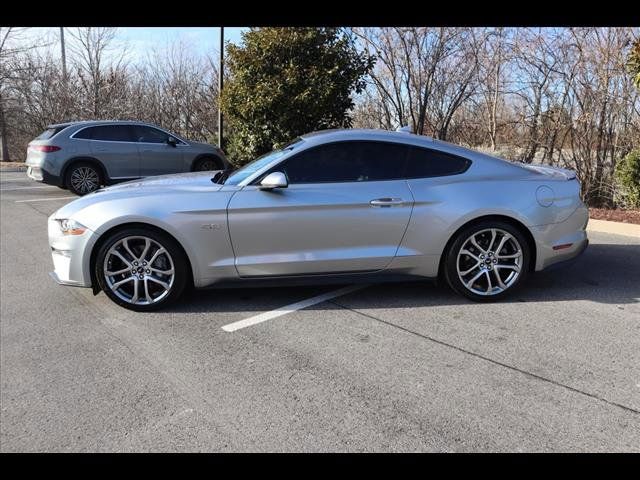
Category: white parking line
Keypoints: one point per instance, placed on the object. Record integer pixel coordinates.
(23, 188)
(43, 199)
(263, 317)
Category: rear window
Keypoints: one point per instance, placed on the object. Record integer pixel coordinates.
(50, 132)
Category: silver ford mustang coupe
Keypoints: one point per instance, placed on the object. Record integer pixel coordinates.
(336, 206)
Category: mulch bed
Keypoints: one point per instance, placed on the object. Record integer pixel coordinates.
(625, 216)
(12, 165)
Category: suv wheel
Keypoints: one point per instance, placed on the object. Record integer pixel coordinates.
(206, 164)
(83, 177)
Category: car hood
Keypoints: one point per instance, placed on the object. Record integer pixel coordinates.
(159, 186)
(175, 181)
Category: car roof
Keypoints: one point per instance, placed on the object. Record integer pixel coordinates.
(355, 134)
(100, 122)
(336, 134)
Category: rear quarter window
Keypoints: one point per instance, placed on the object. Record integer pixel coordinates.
(50, 133)
(425, 163)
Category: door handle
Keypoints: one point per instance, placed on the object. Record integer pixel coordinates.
(386, 202)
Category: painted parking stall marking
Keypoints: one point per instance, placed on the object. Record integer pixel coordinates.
(263, 317)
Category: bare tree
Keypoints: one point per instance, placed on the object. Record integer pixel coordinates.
(423, 75)
(102, 73)
(12, 45)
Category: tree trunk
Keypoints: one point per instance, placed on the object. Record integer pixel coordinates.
(4, 144)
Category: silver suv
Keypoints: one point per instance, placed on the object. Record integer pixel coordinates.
(82, 156)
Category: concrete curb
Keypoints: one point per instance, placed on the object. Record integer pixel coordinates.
(13, 169)
(617, 228)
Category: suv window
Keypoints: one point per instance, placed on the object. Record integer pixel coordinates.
(146, 134)
(351, 161)
(108, 133)
(50, 132)
(424, 163)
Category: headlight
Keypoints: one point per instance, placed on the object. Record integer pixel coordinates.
(71, 227)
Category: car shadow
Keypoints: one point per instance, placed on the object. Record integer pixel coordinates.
(605, 273)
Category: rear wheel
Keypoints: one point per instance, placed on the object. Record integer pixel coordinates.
(83, 177)
(487, 261)
(141, 269)
(207, 163)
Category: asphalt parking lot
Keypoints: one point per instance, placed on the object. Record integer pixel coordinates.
(395, 367)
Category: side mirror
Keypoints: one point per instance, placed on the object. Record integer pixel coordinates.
(274, 180)
(171, 141)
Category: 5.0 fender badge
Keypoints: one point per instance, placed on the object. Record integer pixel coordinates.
(211, 226)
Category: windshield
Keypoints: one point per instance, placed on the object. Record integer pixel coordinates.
(249, 169)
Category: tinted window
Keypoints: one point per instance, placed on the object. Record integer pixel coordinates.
(425, 163)
(150, 135)
(84, 134)
(50, 132)
(346, 162)
(109, 133)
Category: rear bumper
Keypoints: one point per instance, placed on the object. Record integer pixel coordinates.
(570, 260)
(570, 235)
(39, 174)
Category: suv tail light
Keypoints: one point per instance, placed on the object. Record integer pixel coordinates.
(44, 148)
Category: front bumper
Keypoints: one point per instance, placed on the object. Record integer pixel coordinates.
(71, 255)
(571, 232)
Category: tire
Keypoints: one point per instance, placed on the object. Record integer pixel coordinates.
(481, 272)
(83, 177)
(205, 164)
(160, 281)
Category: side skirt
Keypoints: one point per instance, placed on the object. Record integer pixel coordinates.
(307, 280)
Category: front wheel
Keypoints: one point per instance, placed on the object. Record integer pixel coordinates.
(487, 261)
(141, 269)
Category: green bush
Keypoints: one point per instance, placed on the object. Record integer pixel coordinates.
(627, 176)
(285, 82)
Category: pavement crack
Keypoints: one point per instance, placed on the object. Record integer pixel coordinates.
(490, 360)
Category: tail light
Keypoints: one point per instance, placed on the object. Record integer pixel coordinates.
(44, 148)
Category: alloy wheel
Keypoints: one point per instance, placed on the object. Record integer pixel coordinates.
(85, 180)
(489, 261)
(139, 270)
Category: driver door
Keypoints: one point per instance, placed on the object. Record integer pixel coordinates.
(345, 210)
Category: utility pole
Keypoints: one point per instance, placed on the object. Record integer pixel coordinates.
(64, 57)
(65, 89)
(220, 81)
